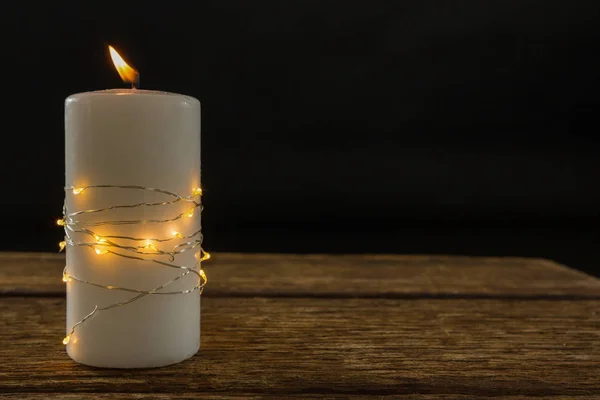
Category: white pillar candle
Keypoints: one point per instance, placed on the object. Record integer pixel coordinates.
(143, 138)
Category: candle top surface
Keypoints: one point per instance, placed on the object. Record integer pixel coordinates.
(137, 93)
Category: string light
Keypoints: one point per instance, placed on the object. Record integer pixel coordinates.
(202, 256)
(152, 248)
(205, 257)
(196, 241)
(62, 245)
(100, 251)
(107, 244)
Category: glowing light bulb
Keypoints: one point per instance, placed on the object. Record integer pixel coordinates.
(198, 192)
(78, 190)
(190, 213)
(60, 222)
(176, 235)
(100, 251)
(67, 339)
(66, 278)
(151, 246)
(205, 257)
(100, 239)
(62, 245)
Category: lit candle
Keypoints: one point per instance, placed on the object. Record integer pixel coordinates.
(122, 262)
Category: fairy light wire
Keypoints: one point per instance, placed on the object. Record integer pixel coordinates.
(105, 244)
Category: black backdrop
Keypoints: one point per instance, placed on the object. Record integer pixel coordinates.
(466, 127)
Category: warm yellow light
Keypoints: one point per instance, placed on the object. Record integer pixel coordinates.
(190, 213)
(203, 275)
(100, 251)
(100, 239)
(176, 235)
(65, 278)
(78, 190)
(62, 245)
(198, 192)
(205, 257)
(128, 74)
(60, 222)
(151, 246)
(66, 339)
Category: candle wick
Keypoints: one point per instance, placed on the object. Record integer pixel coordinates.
(136, 84)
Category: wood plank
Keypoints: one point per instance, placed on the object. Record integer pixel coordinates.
(334, 347)
(339, 276)
(195, 396)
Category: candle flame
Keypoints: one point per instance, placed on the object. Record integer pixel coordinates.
(128, 74)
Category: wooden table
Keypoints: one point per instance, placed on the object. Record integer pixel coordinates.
(315, 326)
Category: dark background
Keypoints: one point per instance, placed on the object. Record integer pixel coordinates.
(461, 127)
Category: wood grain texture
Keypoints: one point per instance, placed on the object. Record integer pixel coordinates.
(195, 396)
(317, 326)
(276, 347)
(246, 275)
